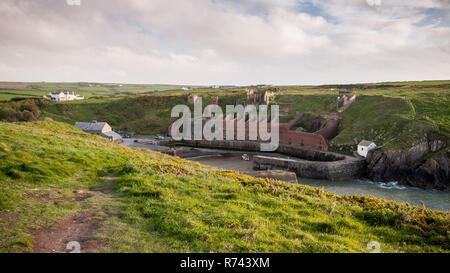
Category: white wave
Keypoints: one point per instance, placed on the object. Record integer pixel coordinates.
(391, 185)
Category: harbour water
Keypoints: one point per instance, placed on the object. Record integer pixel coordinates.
(391, 191)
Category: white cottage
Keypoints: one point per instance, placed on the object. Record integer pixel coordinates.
(365, 146)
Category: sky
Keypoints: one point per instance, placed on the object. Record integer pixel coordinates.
(241, 42)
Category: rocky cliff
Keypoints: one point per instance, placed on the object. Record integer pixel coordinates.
(425, 164)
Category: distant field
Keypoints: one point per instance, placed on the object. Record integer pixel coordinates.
(104, 89)
(9, 90)
(9, 94)
(422, 83)
(13, 85)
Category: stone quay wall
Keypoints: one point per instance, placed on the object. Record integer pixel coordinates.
(254, 146)
(347, 168)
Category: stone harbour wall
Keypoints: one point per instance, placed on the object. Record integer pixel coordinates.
(347, 168)
(244, 145)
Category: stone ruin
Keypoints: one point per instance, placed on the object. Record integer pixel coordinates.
(258, 98)
(344, 102)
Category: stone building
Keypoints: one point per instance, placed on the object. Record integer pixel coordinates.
(99, 128)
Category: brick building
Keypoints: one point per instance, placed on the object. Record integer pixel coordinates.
(286, 136)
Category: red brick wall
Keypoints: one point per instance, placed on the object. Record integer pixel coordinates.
(308, 140)
(287, 136)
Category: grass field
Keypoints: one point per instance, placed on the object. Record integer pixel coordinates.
(10, 90)
(6, 95)
(143, 201)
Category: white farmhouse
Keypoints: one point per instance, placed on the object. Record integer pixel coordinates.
(365, 146)
(62, 96)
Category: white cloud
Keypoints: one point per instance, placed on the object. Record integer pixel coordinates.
(206, 42)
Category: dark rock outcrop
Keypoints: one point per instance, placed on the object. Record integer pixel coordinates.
(410, 166)
(433, 174)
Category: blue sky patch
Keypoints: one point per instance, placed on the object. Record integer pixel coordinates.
(436, 17)
(313, 10)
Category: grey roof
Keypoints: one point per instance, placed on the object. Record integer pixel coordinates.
(112, 134)
(365, 143)
(90, 126)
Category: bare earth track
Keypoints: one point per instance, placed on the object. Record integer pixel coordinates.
(76, 228)
(80, 228)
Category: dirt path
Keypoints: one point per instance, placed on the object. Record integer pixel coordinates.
(74, 229)
(77, 230)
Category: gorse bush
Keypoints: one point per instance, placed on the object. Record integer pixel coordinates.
(21, 110)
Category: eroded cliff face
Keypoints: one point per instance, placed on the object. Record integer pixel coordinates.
(411, 166)
(434, 173)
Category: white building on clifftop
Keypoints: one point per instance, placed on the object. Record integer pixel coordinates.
(365, 146)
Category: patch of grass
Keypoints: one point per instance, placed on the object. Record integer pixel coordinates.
(307, 103)
(380, 119)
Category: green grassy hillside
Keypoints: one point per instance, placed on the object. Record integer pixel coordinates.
(141, 114)
(148, 202)
(395, 115)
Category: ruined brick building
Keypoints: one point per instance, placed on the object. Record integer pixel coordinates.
(315, 140)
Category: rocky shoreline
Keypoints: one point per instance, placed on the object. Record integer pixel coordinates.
(424, 165)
